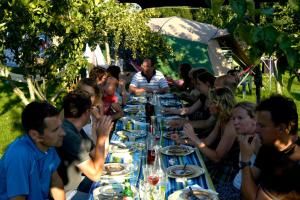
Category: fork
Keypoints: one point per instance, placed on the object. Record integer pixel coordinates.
(183, 169)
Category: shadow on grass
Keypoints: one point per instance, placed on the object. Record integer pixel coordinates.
(11, 104)
(296, 95)
(8, 96)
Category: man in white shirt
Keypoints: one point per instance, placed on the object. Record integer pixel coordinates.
(149, 80)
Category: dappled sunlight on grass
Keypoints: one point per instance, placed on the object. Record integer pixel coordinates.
(10, 115)
(265, 92)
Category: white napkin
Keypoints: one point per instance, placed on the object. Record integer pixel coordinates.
(139, 123)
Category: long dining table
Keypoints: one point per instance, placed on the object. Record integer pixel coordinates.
(138, 158)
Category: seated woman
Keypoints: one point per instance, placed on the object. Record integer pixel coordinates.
(192, 95)
(182, 84)
(243, 118)
(203, 121)
(220, 147)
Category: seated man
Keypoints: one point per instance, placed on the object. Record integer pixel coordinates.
(148, 80)
(28, 167)
(76, 152)
(276, 171)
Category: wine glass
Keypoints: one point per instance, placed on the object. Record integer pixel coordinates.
(153, 176)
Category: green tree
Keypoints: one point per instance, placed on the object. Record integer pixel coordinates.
(69, 25)
(270, 29)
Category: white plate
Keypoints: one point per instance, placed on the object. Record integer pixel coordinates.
(132, 110)
(118, 147)
(135, 133)
(168, 95)
(173, 117)
(191, 171)
(112, 191)
(174, 150)
(138, 100)
(115, 169)
(201, 194)
(139, 123)
(170, 103)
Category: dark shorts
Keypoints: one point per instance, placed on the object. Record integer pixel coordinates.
(228, 192)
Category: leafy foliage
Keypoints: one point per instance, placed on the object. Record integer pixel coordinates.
(69, 25)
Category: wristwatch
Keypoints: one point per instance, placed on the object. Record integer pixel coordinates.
(243, 164)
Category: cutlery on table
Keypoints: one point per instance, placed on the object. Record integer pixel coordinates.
(192, 195)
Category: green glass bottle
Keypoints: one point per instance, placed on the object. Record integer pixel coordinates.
(127, 192)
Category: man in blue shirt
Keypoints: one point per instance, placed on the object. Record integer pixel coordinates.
(28, 167)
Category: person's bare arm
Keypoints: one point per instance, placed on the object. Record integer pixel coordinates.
(185, 110)
(57, 187)
(163, 90)
(249, 188)
(223, 148)
(136, 91)
(203, 124)
(118, 111)
(92, 168)
(210, 139)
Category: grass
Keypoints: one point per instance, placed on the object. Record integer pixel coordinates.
(11, 107)
(10, 111)
(266, 91)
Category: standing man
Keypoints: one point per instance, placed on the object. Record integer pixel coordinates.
(148, 80)
(276, 170)
(28, 167)
(82, 162)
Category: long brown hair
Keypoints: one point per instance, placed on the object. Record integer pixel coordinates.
(224, 100)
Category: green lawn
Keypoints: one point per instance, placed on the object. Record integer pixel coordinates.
(11, 107)
(10, 120)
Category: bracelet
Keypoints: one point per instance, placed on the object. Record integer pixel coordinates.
(243, 164)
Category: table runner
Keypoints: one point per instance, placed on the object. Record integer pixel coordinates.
(194, 158)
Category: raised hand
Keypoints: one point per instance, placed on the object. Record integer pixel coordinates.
(96, 112)
(104, 127)
(247, 148)
(189, 131)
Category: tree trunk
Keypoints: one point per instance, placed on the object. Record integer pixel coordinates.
(38, 91)
(278, 78)
(30, 88)
(19, 93)
(107, 51)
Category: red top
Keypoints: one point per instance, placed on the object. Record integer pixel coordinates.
(107, 101)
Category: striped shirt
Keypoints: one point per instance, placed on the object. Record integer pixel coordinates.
(157, 81)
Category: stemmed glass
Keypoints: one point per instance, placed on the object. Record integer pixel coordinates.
(153, 176)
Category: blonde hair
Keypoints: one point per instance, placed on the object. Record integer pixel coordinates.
(249, 107)
(224, 100)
